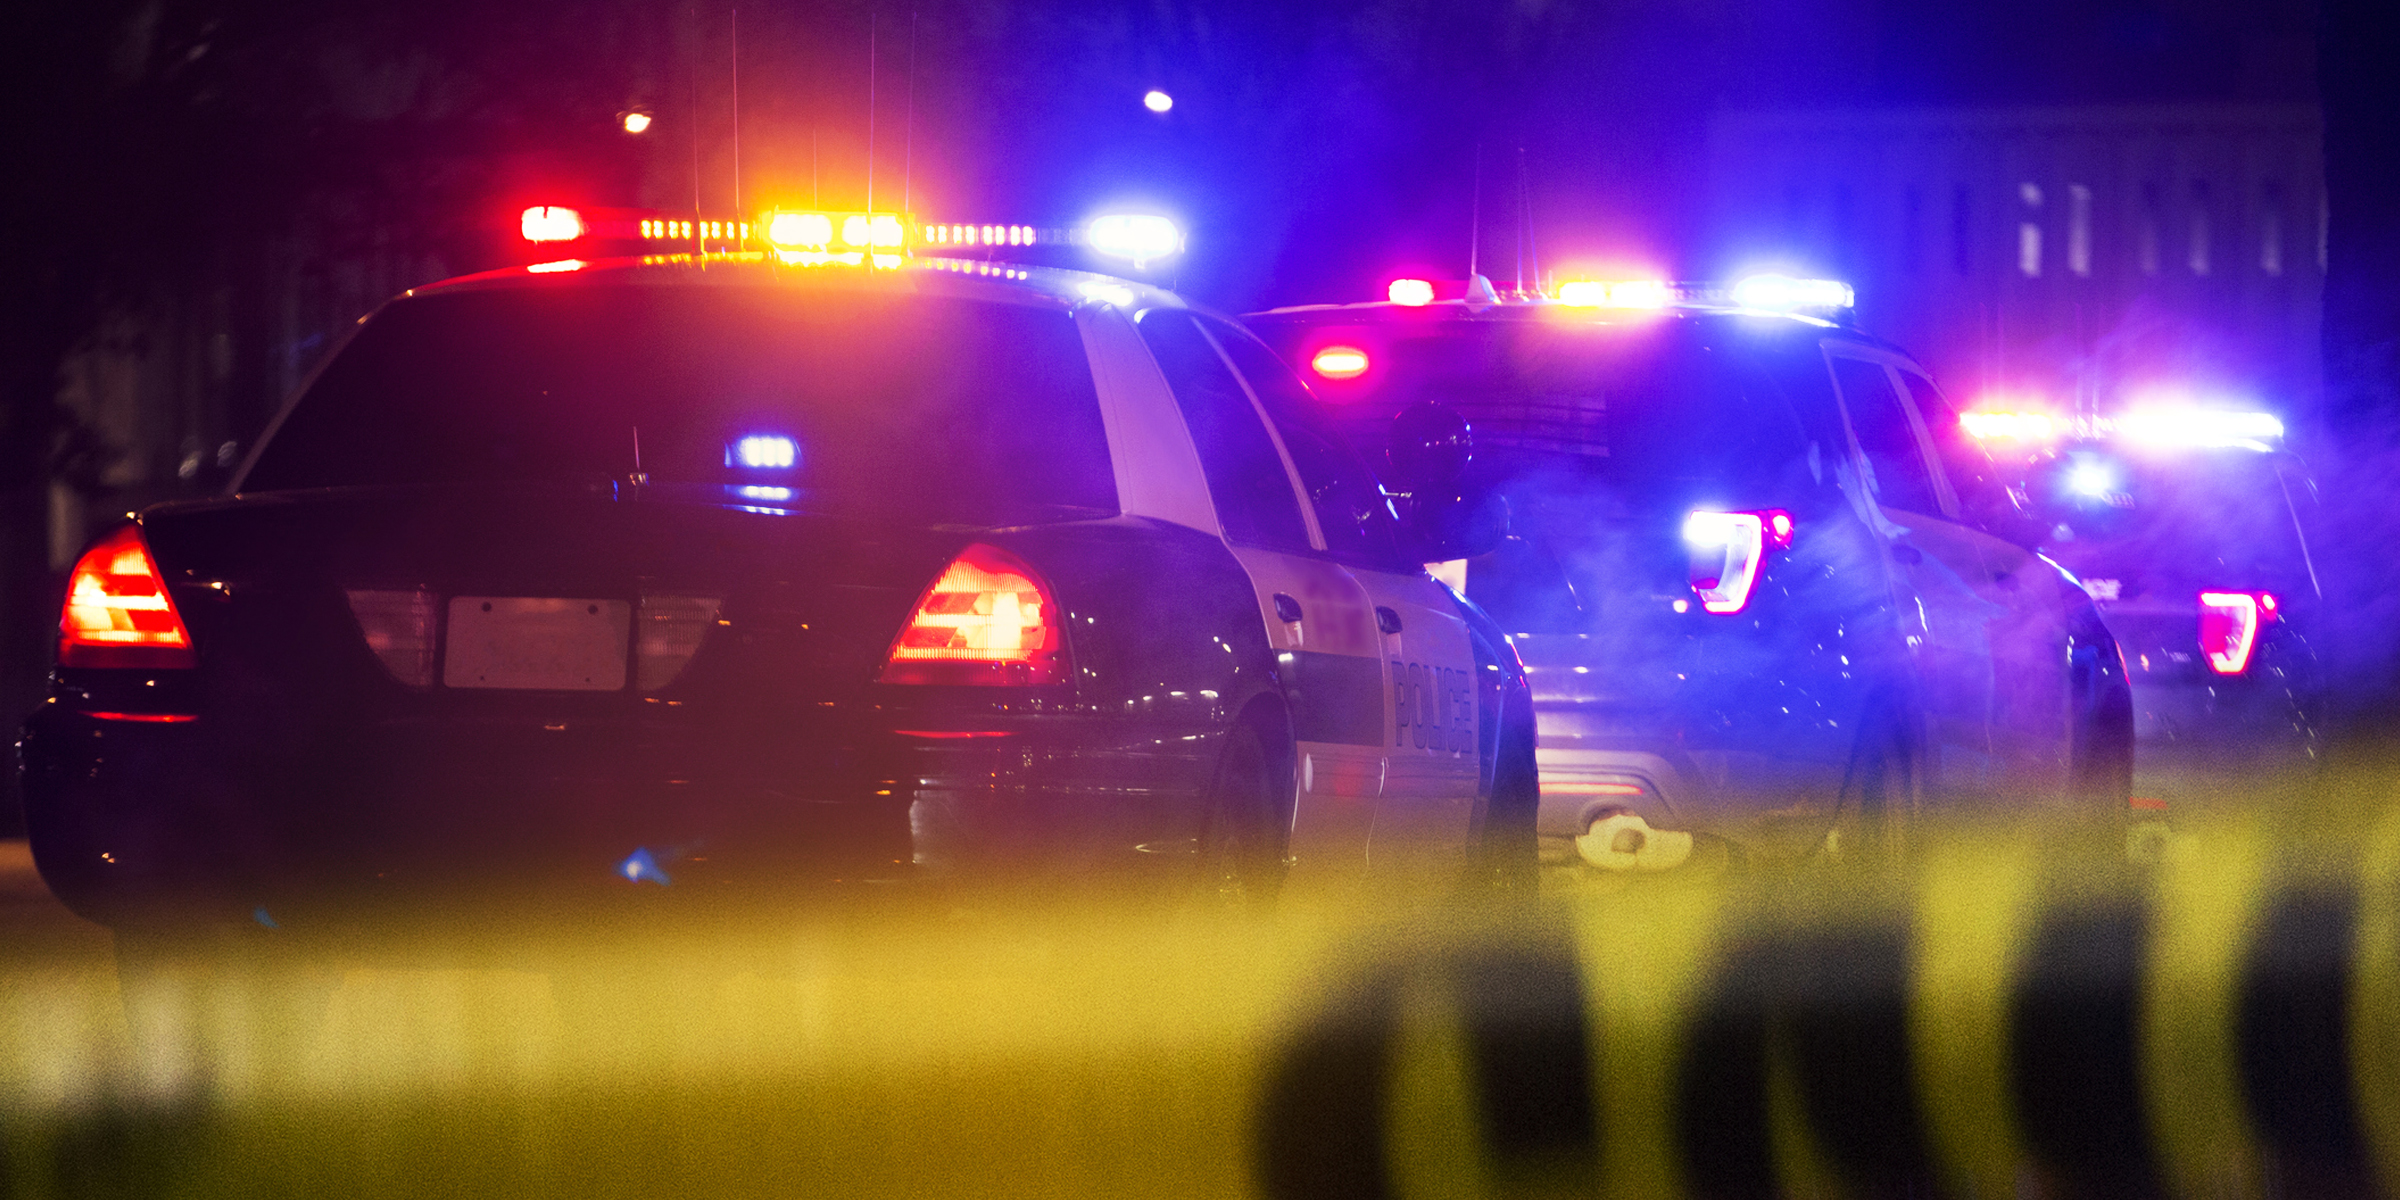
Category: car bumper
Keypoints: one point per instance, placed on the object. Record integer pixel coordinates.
(130, 819)
(2192, 737)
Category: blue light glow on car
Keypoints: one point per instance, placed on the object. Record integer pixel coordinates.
(763, 452)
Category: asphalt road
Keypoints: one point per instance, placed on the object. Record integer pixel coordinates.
(33, 924)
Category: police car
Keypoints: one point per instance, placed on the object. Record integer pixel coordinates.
(2190, 527)
(807, 562)
(1764, 589)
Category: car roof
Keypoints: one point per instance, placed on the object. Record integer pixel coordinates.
(1458, 314)
(963, 278)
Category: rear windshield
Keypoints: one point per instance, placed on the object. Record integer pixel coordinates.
(1624, 404)
(1647, 409)
(2168, 523)
(941, 409)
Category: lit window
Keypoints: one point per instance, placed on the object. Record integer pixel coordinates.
(2079, 229)
(2145, 250)
(2270, 231)
(2029, 231)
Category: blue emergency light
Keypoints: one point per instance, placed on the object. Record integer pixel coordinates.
(763, 452)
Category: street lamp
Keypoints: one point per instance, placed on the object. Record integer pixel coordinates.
(635, 121)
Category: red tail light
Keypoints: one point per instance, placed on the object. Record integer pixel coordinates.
(118, 613)
(1729, 549)
(2229, 625)
(988, 621)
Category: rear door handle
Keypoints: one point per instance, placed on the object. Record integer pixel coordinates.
(1286, 608)
(1387, 620)
(1908, 554)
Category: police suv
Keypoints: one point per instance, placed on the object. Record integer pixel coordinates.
(2190, 526)
(1762, 586)
(801, 564)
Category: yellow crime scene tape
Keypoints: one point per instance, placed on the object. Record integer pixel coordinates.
(2006, 1017)
(2010, 1020)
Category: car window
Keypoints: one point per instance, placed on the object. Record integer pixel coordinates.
(1648, 408)
(1902, 480)
(2170, 525)
(1246, 477)
(942, 409)
(1982, 497)
(1351, 509)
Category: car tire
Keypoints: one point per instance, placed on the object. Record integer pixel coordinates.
(1240, 866)
(2100, 774)
(1506, 856)
(1882, 794)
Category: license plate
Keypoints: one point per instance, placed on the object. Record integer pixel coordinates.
(552, 644)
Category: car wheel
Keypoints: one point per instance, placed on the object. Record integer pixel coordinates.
(2101, 775)
(1240, 867)
(1507, 851)
(1882, 795)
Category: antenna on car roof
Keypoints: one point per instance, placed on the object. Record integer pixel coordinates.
(736, 35)
(870, 110)
(908, 137)
(1474, 214)
(1525, 227)
(695, 124)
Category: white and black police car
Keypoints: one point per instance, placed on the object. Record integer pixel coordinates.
(1763, 587)
(840, 559)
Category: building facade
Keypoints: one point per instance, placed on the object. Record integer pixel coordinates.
(2081, 258)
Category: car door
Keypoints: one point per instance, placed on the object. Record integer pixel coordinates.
(2030, 628)
(1318, 618)
(1429, 739)
(1947, 609)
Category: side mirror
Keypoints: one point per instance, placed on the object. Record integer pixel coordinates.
(1429, 446)
(1441, 526)
(2003, 514)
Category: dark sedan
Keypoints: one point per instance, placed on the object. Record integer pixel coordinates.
(672, 570)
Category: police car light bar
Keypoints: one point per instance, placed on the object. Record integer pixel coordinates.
(1782, 293)
(993, 235)
(1136, 236)
(881, 239)
(669, 230)
(2015, 426)
(2197, 427)
(2179, 427)
(545, 223)
(1616, 293)
(1765, 293)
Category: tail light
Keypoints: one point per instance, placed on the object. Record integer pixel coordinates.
(1728, 549)
(667, 633)
(988, 621)
(398, 627)
(118, 613)
(2229, 625)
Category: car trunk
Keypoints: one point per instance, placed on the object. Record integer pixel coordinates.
(744, 644)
